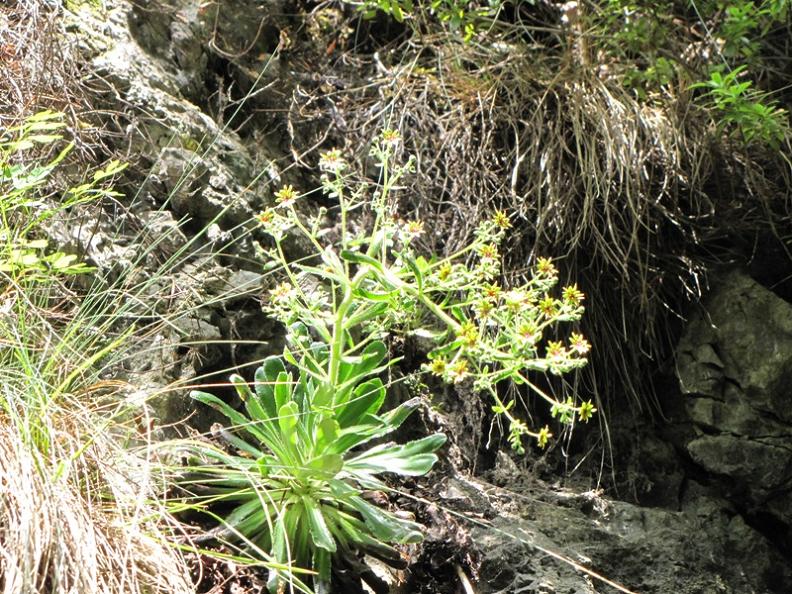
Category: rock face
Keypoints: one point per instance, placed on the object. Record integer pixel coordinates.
(154, 59)
(735, 368)
(529, 537)
(165, 72)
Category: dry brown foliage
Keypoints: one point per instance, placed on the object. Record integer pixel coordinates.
(78, 511)
(637, 199)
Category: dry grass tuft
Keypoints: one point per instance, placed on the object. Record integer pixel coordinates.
(78, 511)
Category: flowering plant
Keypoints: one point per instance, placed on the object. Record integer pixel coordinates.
(372, 279)
(297, 481)
(295, 486)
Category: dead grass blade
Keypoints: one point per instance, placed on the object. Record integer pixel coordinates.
(78, 511)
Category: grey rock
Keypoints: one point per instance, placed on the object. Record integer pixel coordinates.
(243, 284)
(735, 367)
(540, 537)
(193, 329)
(201, 165)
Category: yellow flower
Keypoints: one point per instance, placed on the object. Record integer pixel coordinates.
(489, 251)
(459, 370)
(586, 410)
(492, 291)
(412, 229)
(445, 272)
(501, 219)
(529, 332)
(332, 161)
(391, 137)
(469, 334)
(265, 218)
(579, 344)
(555, 350)
(285, 196)
(283, 292)
(483, 308)
(573, 295)
(544, 436)
(545, 266)
(548, 306)
(438, 366)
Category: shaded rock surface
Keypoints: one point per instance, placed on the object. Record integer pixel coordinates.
(517, 533)
(154, 62)
(192, 190)
(735, 369)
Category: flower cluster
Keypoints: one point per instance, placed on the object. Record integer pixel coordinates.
(503, 333)
(481, 331)
(283, 300)
(275, 223)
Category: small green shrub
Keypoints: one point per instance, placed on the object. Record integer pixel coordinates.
(739, 107)
(25, 205)
(641, 43)
(461, 17)
(743, 23)
(743, 110)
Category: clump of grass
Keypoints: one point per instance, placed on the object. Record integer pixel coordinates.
(79, 511)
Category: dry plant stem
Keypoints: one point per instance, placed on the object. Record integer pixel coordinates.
(463, 579)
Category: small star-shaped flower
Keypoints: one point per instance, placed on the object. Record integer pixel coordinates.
(572, 295)
(286, 195)
(501, 219)
(579, 344)
(546, 267)
(459, 370)
(586, 411)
